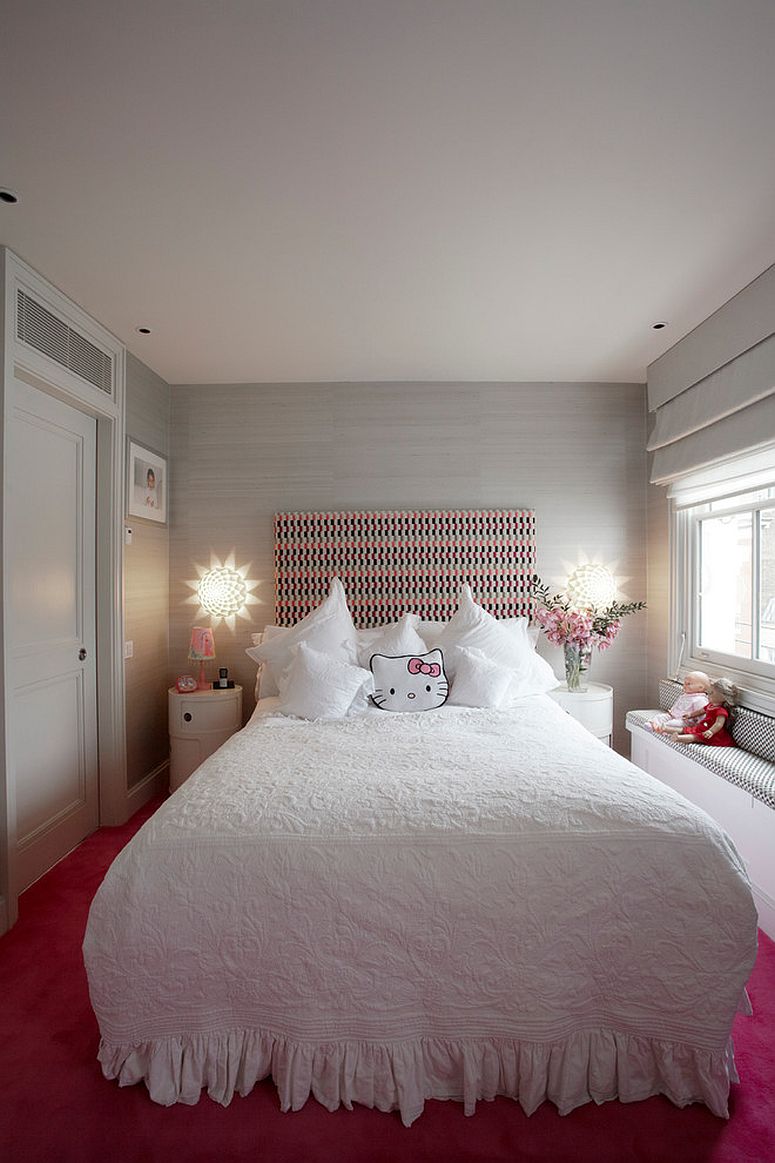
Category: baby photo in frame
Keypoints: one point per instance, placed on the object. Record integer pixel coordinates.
(146, 483)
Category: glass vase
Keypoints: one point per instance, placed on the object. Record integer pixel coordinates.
(577, 661)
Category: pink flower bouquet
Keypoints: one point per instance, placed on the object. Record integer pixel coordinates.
(578, 630)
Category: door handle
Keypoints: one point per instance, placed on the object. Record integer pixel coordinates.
(82, 653)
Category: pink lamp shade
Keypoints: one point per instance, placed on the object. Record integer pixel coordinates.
(201, 650)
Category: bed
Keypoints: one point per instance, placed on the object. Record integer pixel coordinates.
(459, 903)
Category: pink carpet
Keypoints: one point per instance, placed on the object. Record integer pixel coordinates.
(56, 1107)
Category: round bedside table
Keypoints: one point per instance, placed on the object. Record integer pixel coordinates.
(199, 722)
(593, 708)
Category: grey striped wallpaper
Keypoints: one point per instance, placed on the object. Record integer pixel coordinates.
(573, 452)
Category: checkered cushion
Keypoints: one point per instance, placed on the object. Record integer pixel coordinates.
(738, 765)
(755, 733)
(669, 690)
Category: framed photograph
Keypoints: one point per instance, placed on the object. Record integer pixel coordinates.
(146, 483)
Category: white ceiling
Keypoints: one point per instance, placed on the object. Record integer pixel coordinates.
(391, 189)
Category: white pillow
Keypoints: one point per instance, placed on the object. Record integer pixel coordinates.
(472, 628)
(507, 642)
(535, 676)
(318, 686)
(535, 679)
(531, 631)
(265, 687)
(399, 637)
(431, 631)
(409, 682)
(328, 629)
(273, 632)
(479, 682)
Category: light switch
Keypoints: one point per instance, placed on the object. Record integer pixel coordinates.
(129, 649)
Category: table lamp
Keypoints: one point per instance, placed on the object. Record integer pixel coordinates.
(201, 650)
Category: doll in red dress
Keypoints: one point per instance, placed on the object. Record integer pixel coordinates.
(713, 726)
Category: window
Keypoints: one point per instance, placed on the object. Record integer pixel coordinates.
(723, 573)
(736, 583)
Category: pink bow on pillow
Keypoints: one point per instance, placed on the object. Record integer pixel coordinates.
(417, 666)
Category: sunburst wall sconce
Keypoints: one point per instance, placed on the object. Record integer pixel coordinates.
(591, 585)
(223, 591)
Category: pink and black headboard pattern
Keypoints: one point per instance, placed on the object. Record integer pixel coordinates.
(392, 562)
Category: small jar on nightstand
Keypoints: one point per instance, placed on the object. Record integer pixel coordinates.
(593, 708)
(199, 722)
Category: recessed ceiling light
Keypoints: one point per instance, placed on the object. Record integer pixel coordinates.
(143, 330)
(658, 326)
(8, 196)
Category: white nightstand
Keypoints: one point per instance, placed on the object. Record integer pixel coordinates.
(199, 723)
(593, 708)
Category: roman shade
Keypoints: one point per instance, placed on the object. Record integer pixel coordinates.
(708, 411)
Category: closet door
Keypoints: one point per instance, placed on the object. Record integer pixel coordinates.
(51, 655)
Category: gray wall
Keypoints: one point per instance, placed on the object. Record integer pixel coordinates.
(574, 452)
(146, 590)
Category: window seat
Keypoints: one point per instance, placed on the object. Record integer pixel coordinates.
(741, 797)
(747, 770)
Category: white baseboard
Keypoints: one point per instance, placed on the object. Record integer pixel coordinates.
(765, 906)
(153, 784)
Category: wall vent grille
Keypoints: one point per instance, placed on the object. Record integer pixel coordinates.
(49, 334)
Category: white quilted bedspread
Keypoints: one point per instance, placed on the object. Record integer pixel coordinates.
(459, 903)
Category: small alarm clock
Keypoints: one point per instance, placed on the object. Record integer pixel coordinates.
(185, 683)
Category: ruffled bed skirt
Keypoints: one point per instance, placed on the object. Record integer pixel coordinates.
(592, 1066)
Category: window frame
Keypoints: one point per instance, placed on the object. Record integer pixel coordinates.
(755, 679)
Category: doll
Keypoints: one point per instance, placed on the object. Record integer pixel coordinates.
(687, 708)
(713, 727)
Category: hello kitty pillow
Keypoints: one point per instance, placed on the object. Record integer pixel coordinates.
(410, 682)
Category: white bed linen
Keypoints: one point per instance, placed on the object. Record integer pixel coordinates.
(455, 904)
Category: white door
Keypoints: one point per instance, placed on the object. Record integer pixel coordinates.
(51, 656)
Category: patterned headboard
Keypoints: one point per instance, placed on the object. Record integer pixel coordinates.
(397, 561)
